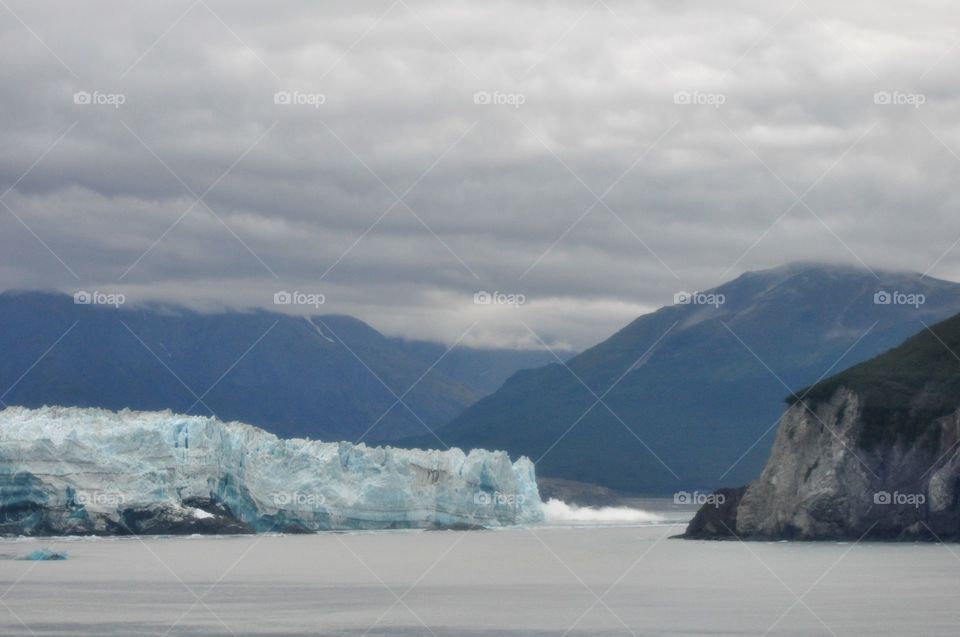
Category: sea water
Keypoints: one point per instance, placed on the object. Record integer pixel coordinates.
(571, 577)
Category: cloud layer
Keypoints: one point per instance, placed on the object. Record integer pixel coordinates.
(401, 157)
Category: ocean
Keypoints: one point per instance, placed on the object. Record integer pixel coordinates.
(574, 576)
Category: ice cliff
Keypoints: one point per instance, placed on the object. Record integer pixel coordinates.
(90, 471)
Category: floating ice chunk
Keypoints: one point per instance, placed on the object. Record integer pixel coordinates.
(44, 555)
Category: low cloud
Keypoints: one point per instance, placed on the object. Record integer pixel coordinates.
(594, 158)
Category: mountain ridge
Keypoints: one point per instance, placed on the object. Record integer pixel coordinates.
(326, 376)
(710, 380)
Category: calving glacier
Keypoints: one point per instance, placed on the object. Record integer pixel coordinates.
(91, 471)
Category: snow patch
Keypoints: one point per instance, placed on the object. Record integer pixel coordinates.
(309, 320)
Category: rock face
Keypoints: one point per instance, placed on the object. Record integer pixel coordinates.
(90, 471)
(872, 452)
(821, 483)
(717, 519)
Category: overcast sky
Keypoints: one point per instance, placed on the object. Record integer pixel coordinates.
(593, 157)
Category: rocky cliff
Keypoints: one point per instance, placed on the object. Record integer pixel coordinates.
(872, 453)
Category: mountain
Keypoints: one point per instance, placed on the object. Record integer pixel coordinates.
(482, 370)
(692, 391)
(870, 452)
(325, 377)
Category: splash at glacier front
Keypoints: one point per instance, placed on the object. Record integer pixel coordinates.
(91, 471)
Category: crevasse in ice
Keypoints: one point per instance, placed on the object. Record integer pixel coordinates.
(77, 470)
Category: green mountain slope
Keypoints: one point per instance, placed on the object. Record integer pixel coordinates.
(903, 391)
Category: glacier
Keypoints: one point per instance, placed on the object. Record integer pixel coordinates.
(78, 471)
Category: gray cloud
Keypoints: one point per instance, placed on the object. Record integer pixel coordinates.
(501, 197)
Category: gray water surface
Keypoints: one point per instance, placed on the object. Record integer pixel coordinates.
(611, 580)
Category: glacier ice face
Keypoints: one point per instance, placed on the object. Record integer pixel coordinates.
(72, 470)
